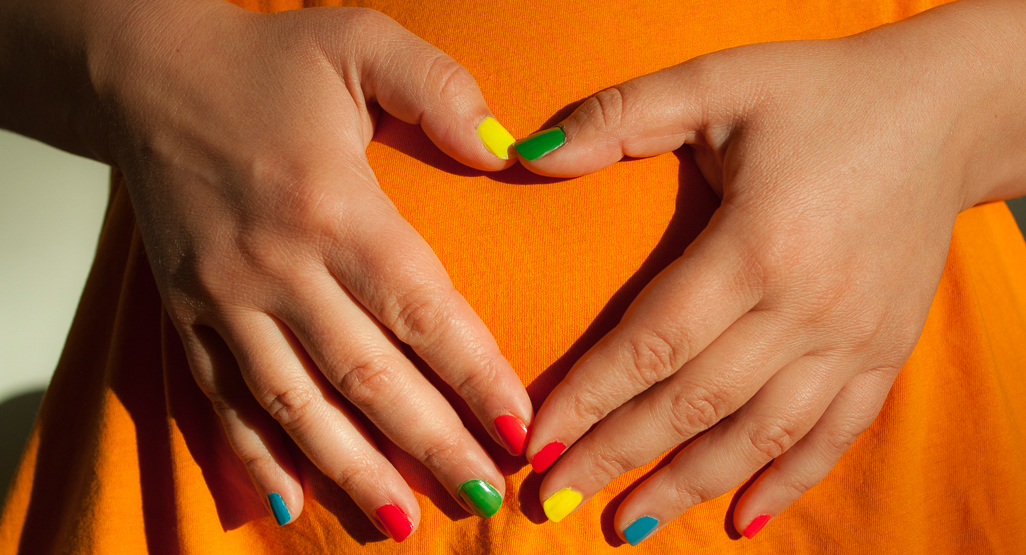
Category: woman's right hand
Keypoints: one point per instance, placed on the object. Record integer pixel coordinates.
(289, 274)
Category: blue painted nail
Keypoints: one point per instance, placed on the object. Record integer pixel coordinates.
(281, 512)
(640, 529)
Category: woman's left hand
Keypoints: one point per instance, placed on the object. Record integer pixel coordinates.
(842, 165)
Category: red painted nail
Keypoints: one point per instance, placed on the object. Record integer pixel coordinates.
(395, 522)
(755, 525)
(512, 432)
(548, 455)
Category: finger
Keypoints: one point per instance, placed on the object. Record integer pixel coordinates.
(252, 433)
(674, 319)
(357, 357)
(811, 459)
(711, 387)
(281, 380)
(394, 274)
(766, 427)
(420, 84)
(646, 116)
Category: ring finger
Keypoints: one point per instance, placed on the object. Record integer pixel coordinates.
(783, 411)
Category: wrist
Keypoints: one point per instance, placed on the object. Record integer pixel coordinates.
(136, 53)
(983, 79)
(955, 87)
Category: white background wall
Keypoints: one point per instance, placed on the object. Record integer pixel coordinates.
(51, 208)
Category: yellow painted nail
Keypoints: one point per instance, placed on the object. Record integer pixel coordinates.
(495, 137)
(561, 503)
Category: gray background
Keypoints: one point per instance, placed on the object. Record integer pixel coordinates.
(51, 208)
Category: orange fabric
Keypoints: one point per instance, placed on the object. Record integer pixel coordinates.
(128, 456)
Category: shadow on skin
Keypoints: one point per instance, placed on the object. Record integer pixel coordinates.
(18, 413)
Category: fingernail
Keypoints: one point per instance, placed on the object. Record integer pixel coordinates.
(541, 143)
(394, 521)
(279, 510)
(512, 432)
(495, 137)
(543, 459)
(483, 499)
(755, 525)
(561, 503)
(639, 530)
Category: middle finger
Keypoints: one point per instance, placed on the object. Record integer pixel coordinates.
(359, 359)
(712, 386)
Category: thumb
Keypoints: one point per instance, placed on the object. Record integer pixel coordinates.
(419, 84)
(646, 116)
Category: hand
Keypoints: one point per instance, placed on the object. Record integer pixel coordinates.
(777, 335)
(289, 274)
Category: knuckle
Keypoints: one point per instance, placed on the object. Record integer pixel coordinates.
(221, 405)
(418, 320)
(589, 405)
(773, 438)
(366, 20)
(451, 80)
(607, 107)
(684, 494)
(442, 452)
(838, 440)
(653, 357)
(261, 253)
(314, 210)
(289, 407)
(476, 384)
(369, 381)
(355, 475)
(695, 409)
(609, 464)
(796, 485)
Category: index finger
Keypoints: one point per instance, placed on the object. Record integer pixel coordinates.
(394, 274)
(686, 307)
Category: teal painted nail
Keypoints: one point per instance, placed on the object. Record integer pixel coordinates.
(281, 512)
(481, 497)
(540, 144)
(640, 529)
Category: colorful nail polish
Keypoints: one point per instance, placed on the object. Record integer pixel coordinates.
(561, 503)
(483, 500)
(278, 509)
(495, 137)
(640, 529)
(541, 143)
(512, 432)
(543, 459)
(394, 521)
(755, 525)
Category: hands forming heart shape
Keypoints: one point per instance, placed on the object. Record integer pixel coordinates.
(292, 279)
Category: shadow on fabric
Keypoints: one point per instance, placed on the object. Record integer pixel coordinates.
(18, 414)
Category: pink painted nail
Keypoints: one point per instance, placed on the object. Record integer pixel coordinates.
(394, 521)
(755, 525)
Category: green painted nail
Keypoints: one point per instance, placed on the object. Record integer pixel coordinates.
(540, 144)
(482, 498)
(281, 512)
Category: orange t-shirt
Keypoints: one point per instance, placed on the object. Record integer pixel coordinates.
(129, 456)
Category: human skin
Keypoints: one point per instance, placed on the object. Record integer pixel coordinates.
(290, 276)
(841, 165)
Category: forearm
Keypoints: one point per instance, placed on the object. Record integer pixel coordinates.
(60, 59)
(45, 88)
